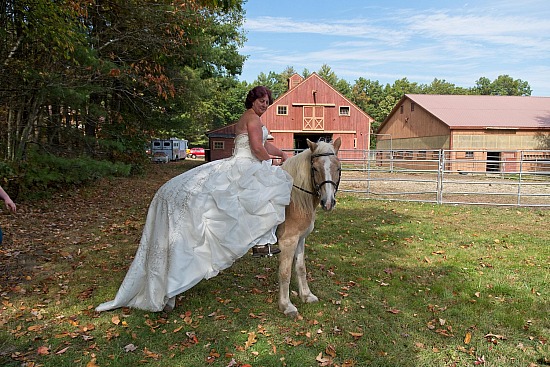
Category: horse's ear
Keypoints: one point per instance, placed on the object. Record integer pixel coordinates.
(312, 146)
(337, 144)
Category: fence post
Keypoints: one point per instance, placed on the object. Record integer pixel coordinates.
(440, 169)
(520, 177)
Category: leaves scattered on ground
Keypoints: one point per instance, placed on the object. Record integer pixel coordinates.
(395, 287)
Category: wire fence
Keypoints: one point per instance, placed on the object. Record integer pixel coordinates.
(508, 178)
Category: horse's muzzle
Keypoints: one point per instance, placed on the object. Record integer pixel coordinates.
(328, 205)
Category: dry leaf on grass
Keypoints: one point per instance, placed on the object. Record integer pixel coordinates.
(251, 340)
(43, 350)
(115, 320)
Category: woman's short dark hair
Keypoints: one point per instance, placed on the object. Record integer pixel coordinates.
(255, 93)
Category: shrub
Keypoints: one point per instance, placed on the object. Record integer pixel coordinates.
(43, 174)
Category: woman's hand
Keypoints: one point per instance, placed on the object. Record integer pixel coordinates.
(10, 205)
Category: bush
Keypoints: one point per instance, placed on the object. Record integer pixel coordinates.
(42, 174)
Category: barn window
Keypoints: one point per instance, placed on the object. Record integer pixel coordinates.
(282, 110)
(219, 145)
(469, 154)
(401, 109)
(344, 110)
(412, 106)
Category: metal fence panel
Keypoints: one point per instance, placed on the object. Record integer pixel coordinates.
(510, 178)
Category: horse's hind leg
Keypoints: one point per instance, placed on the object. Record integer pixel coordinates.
(301, 274)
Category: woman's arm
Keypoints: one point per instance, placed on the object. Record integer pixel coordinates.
(255, 137)
(274, 151)
(9, 202)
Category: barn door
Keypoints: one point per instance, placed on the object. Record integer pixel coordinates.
(314, 118)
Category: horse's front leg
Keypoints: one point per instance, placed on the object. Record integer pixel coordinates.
(286, 257)
(301, 273)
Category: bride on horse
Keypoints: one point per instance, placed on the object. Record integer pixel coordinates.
(201, 221)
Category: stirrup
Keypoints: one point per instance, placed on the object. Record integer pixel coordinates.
(265, 250)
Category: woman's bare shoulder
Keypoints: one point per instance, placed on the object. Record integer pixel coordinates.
(248, 119)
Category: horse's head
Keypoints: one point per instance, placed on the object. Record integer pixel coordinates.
(325, 171)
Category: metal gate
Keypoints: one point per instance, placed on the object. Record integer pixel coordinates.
(510, 178)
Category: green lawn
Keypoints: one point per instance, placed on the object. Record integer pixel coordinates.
(399, 284)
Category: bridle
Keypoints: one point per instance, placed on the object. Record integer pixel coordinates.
(317, 186)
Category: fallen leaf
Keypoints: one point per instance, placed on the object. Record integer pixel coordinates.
(150, 354)
(115, 320)
(330, 350)
(493, 338)
(34, 328)
(467, 338)
(323, 361)
(480, 360)
(129, 348)
(251, 340)
(62, 351)
(43, 350)
(501, 337)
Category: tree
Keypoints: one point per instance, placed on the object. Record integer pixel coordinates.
(271, 81)
(99, 78)
(367, 95)
(329, 76)
(117, 70)
(503, 85)
(441, 86)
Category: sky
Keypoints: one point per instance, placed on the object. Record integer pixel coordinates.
(455, 41)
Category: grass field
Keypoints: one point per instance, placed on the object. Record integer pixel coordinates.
(400, 284)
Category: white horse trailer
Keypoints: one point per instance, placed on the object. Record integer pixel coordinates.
(175, 149)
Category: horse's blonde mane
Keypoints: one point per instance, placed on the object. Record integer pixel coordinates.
(299, 167)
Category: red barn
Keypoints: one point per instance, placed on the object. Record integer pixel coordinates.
(310, 109)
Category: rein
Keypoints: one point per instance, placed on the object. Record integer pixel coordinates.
(317, 187)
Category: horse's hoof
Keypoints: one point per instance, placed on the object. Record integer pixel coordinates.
(311, 299)
(292, 314)
(170, 305)
(290, 310)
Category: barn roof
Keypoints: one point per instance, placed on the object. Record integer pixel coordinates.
(222, 132)
(475, 111)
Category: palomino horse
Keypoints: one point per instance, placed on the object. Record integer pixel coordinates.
(316, 173)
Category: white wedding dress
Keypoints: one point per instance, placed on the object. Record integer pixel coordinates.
(200, 222)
